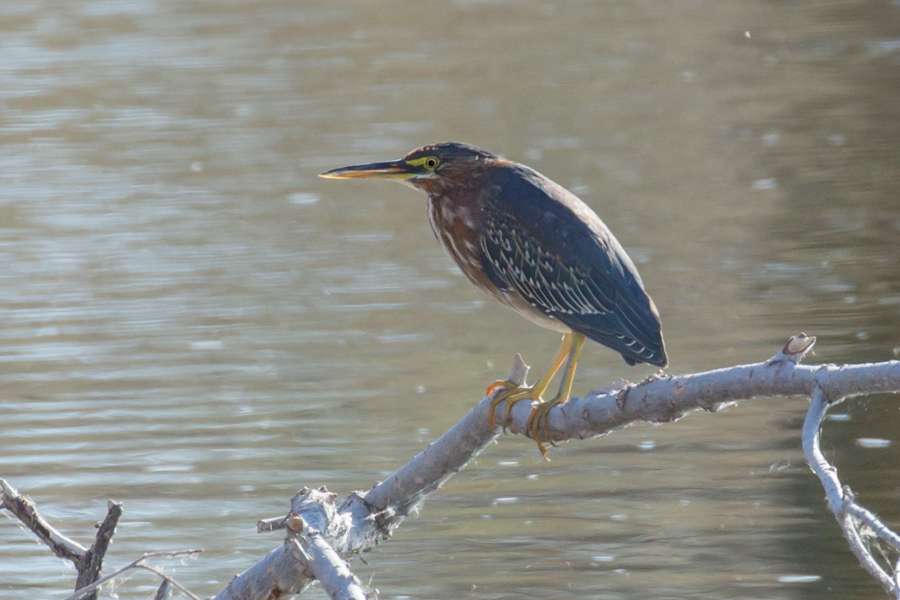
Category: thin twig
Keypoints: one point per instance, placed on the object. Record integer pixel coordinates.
(136, 563)
(171, 581)
(874, 523)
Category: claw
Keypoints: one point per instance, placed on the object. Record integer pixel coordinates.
(490, 390)
(498, 384)
(511, 396)
(537, 420)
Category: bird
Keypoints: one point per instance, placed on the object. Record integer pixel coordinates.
(538, 249)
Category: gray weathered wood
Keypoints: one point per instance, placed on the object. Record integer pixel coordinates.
(322, 535)
(365, 519)
(856, 523)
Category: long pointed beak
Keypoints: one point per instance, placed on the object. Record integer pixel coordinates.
(395, 169)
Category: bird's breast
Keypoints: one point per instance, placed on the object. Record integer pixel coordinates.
(459, 229)
(456, 227)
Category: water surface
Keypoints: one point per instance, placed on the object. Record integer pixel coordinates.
(197, 326)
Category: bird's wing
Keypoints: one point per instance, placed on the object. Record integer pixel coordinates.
(543, 243)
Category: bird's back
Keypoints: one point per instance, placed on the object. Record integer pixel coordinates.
(542, 243)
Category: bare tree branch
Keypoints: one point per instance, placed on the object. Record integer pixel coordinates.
(322, 535)
(62, 546)
(88, 561)
(852, 518)
(663, 399)
(91, 562)
(366, 519)
(313, 513)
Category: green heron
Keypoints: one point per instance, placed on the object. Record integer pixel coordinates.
(538, 249)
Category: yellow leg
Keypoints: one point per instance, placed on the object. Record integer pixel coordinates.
(517, 393)
(539, 415)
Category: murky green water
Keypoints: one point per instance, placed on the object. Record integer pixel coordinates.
(194, 324)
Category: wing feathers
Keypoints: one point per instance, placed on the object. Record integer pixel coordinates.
(577, 273)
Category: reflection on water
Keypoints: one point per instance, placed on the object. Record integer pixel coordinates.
(197, 326)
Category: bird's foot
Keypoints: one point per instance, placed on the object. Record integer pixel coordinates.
(511, 393)
(537, 420)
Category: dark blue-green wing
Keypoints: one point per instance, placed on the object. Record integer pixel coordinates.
(544, 244)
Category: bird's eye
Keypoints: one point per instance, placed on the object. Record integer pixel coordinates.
(431, 163)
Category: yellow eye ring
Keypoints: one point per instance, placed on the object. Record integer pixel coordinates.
(431, 163)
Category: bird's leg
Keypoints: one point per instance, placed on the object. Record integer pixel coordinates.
(540, 412)
(516, 393)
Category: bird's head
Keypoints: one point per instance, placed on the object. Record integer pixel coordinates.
(428, 168)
